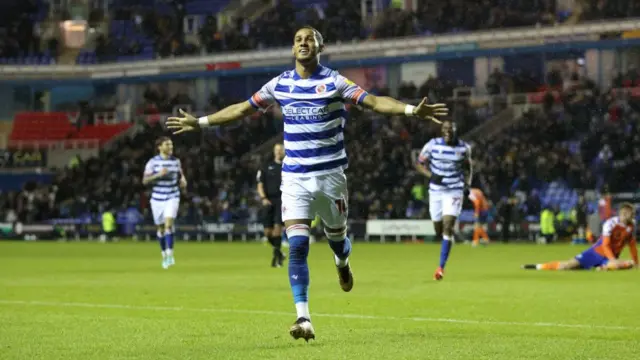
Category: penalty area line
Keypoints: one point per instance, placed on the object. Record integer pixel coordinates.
(291, 314)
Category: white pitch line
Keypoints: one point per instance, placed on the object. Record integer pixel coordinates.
(342, 316)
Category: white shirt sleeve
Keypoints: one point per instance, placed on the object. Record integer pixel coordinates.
(264, 97)
(607, 228)
(148, 169)
(425, 152)
(350, 90)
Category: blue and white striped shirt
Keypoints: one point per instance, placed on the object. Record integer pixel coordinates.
(314, 118)
(447, 161)
(164, 188)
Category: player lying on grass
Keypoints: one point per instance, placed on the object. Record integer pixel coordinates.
(603, 255)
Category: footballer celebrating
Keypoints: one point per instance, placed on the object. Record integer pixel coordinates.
(446, 161)
(165, 173)
(312, 99)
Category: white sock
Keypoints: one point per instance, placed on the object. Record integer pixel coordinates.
(169, 252)
(164, 254)
(302, 308)
(340, 262)
(446, 237)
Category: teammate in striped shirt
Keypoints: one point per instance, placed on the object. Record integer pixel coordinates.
(617, 232)
(165, 173)
(312, 98)
(446, 161)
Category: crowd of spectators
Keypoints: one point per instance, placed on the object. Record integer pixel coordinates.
(343, 22)
(20, 32)
(579, 136)
(339, 22)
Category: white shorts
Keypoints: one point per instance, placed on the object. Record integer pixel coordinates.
(164, 209)
(324, 195)
(445, 203)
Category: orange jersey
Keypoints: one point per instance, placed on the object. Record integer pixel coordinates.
(478, 199)
(615, 235)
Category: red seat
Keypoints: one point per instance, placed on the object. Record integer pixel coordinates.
(55, 126)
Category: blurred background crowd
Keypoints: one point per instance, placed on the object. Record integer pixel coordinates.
(575, 135)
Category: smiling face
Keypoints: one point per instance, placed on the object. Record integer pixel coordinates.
(448, 131)
(307, 45)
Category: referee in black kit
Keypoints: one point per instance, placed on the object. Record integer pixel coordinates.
(269, 179)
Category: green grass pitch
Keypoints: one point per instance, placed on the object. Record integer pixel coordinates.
(81, 300)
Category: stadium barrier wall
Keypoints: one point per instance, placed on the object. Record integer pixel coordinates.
(369, 231)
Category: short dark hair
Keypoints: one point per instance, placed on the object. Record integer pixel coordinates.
(161, 140)
(316, 33)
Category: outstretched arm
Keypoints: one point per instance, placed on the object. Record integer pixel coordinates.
(260, 100)
(390, 106)
(229, 114)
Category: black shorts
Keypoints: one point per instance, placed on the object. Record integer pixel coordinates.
(272, 214)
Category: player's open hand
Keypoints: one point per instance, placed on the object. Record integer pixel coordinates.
(179, 125)
(430, 111)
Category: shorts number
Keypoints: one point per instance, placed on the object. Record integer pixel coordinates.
(456, 201)
(342, 206)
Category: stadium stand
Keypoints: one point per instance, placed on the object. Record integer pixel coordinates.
(517, 161)
(567, 136)
(46, 128)
(146, 30)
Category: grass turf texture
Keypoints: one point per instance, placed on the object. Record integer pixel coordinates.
(222, 301)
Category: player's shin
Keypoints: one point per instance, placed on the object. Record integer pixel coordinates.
(445, 249)
(162, 242)
(168, 238)
(298, 235)
(340, 244)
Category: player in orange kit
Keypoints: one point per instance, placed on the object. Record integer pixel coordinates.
(480, 208)
(617, 232)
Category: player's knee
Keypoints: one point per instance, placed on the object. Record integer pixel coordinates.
(334, 234)
(168, 225)
(298, 235)
(160, 230)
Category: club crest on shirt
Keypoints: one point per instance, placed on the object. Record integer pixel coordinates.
(321, 88)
